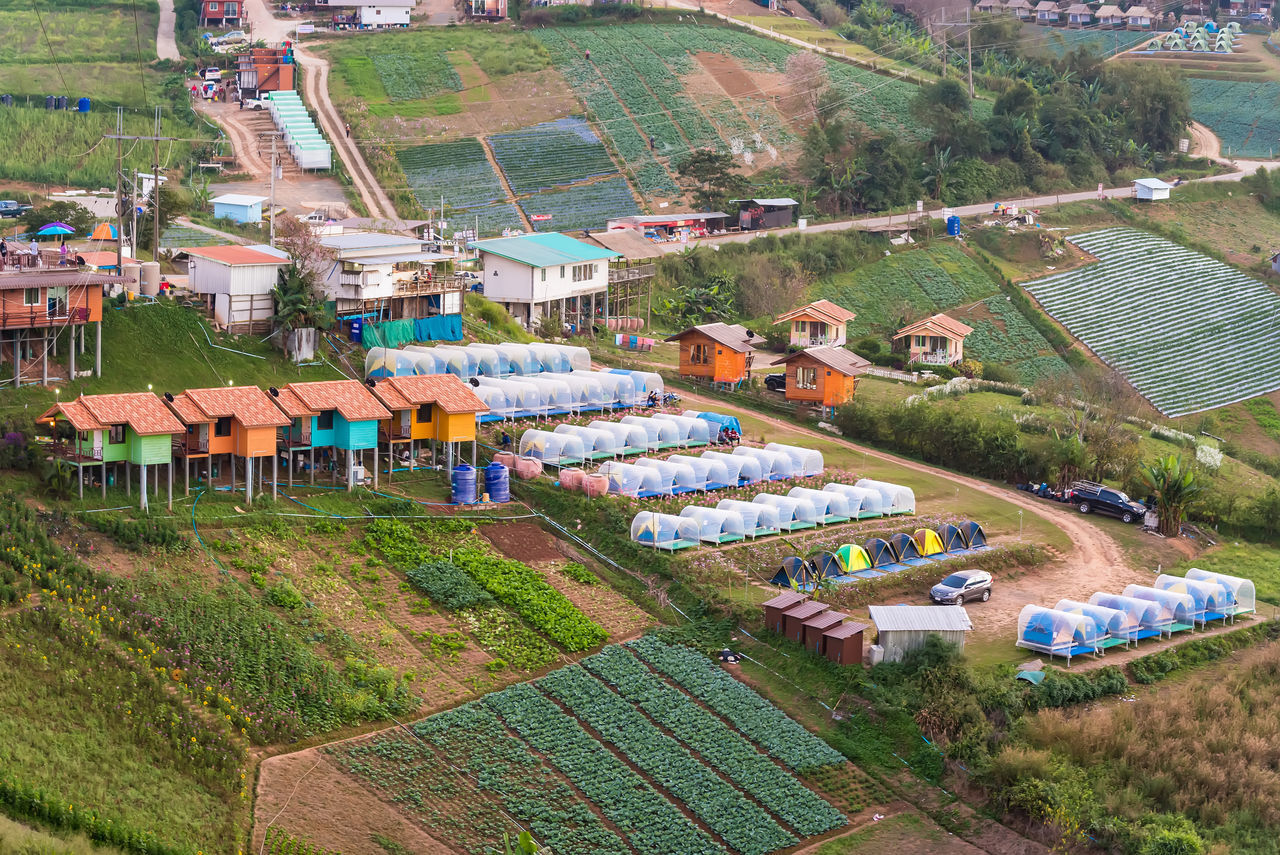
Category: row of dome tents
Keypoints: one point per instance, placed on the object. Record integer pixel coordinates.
(766, 514)
(879, 556)
(477, 360)
(1170, 604)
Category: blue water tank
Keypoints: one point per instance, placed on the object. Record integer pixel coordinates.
(83, 105)
(464, 485)
(497, 482)
(953, 226)
(50, 102)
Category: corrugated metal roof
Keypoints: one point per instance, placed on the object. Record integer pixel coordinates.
(925, 618)
(234, 255)
(844, 630)
(772, 202)
(804, 611)
(544, 250)
(238, 199)
(785, 600)
(367, 240)
(733, 336)
(1152, 183)
(838, 359)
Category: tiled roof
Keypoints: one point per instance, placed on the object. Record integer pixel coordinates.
(446, 391)
(824, 309)
(733, 336)
(836, 358)
(248, 405)
(186, 410)
(234, 255)
(351, 398)
(69, 277)
(144, 412)
(391, 397)
(937, 323)
(76, 413)
(288, 401)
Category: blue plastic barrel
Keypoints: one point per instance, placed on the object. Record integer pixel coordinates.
(497, 482)
(83, 105)
(49, 102)
(953, 226)
(464, 485)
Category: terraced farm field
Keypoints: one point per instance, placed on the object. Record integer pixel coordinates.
(459, 173)
(1245, 116)
(642, 748)
(1190, 333)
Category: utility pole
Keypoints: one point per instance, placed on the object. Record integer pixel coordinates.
(944, 45)
(275, 167)
(120, 190)
(155, 193)
(968, 40)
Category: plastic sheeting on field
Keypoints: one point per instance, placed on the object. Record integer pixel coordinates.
(1241, 588)
(1115, 623)
(676, 477)
(808, 462)
(774, 466)
(897, 499)
(692, 431)
(741, 470)
(863, 503)
(758, 519)
(631, 439)
(719, 421)
(664, 531)
(832, 507)
(1148, 615)
(552, 447)
(661, 434)
(1057, 633)
(1180, 607)
(792, 513)
(627, 479)
(716, 525)
(713, 473)
(596, 443)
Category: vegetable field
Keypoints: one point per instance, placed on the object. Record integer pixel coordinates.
(1189, 332)
(1244, 116)
(461, 174)
(407, 76)
(1059, 42)
(610, 756)
(553, 154)
(583, 206)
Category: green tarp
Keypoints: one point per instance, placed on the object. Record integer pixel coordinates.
(399, 333)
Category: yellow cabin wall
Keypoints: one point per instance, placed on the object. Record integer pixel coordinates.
(455, 427)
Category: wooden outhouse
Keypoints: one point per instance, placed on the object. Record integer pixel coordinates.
(842, 644)
(775, 609)
(794, 618)
(815, 626)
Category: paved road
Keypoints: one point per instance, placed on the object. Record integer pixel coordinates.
(166, 46)
(437, 13)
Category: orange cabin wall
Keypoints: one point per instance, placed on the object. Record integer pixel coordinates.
(254, 442)
(727, 365)
(833, 388)
(78, 297)
(687, 368)
(222, 444)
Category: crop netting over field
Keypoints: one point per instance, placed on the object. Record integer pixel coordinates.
(582, 206)
(1245, 116)
(1190, 333)
(553, 154)
(461, 174)
(620, 732)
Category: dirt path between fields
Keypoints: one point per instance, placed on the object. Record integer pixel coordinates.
(1204, 143)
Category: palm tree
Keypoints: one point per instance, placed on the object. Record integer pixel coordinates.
(1173, 484)
(297, 304)
(937, 170)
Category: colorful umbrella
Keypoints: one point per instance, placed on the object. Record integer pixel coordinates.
(104, 231)
(56, 229)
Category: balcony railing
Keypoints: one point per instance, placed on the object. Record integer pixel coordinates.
(631, 274)
(184, 446)
(393, 434)
(65, 451)
(38, 316)
(937, 357)
(419, 285)
(293, 441)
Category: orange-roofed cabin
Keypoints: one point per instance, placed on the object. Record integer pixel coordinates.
(344, 417)
(238, 422)
(437, 409)
(39, 307)
(718, 353)
(822, 377)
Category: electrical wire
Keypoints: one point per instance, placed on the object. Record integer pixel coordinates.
(49, 46)
(137, 33)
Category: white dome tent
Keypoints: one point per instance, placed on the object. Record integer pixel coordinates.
(774, 466)
(793, 514)
(523, 399)
(1057, 633)
(676, 477)
(692, 431)
(559, 449)
(715, 525)
(897, 499)
(557, 397)
(662, 434)
(758, 519)
(664, 531)
(631, 439)
(832, 507)
(713, 473)
(1242, 589)
(864, 504)
(741, 470)
(598, 444)
(808, 462)
(627, 479)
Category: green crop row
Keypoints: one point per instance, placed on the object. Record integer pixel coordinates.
(741, 823)
(756, 718)
(715, 742)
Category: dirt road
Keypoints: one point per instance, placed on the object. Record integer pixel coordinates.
(166, 46)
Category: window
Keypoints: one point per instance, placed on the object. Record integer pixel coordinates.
(222, 427)
(919, 341)
(115, 434)
(544, 274)
(802, 327)
(700, 354)
(806, 378)
(324, 421)
(56, 302)
(562, 271)
(583, 272)
(424, 414)
(30, 296)
(213, 7)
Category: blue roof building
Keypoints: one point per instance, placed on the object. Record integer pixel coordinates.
(541, 275)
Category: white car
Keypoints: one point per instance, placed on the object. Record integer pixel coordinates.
(254, 104)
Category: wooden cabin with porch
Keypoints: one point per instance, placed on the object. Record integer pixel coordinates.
(823, 377)
(295, 438)
(437, 409)
(236, 421)
(346, 419)
(719, 353)
(819, 323)
(121, 430)
(43, 310)
(937, 340)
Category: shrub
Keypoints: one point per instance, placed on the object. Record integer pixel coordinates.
(136, 534)
(999, 373)
(578, 573)
(448, 585)
(285, 595)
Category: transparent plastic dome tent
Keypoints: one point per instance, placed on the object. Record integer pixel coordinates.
(1180, 607)
(719, 421)
(520, 359)
(586, 391)
(456, 361)
(664, 531)
(713, 473)
(496, 400)
(598, 444)
(1149, 616)
(631, 439)
(579, 358)
(808, 462)
(832, 507)
(644, 382)
(1116, 624)
(897, 499)
(619, 389)
(715, 525)
(1210, 597)
(483, 363)
(549, 447)
(386, 362)
(503, 361)
(676, 477)
(627, 479)
(552, 359)
(692, 431)
(793, 514)
(773, 465)
(863, 503)
(740, 470)
(757, 519)
(661, 434)
(1057, 633)
(521, 399)
(1241, 588)
(557, 397)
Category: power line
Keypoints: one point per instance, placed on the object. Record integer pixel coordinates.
(137, 33)
(49, 46)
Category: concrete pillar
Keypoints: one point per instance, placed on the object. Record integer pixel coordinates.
(186, 476)
(248, 480)
(80, 475)
(142, 483)
(375, 467)
(104, 482)
(350, 474)
(97, 350)
(71, 353)
(128, 480)
(313, 465)
(333, 458)
(231, 459)
(44, 358)
(170, 483)
(275, 476)
(413, 456)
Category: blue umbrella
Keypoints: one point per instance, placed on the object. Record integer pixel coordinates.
(56, 229)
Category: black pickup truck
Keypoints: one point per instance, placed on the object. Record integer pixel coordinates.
(1090, 497)
(10, 209)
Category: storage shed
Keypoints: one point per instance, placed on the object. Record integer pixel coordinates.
(238, 208)
(815, 626)
(1151, 189)
(842, 643)
(795, 617)
(765, 213)
(901, 629)
(774, 609)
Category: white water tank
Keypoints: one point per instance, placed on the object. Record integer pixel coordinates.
(877, 654)
(133, 272)
(150, 278)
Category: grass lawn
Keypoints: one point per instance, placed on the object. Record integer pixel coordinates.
(108, 31)
(28, 841)
(1250, 560)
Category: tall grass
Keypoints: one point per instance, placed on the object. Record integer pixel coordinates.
(78, 31)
